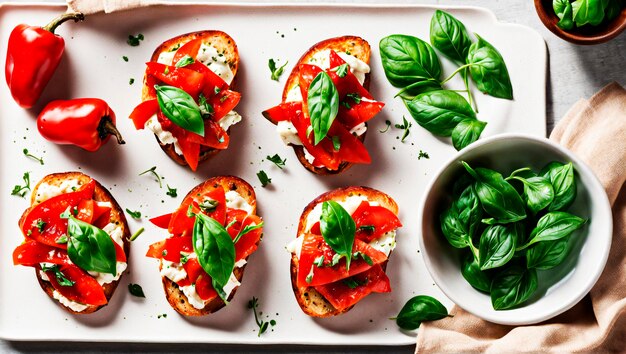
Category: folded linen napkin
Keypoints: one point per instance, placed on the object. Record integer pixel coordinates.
(89, 7)
(595, 130)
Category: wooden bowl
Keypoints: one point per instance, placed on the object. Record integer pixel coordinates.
(585, 35)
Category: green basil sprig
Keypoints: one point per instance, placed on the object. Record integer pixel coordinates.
(89, 247)
(338, 229)
(565, 13)
(410, 63)
(323, 105)
(449, 36)
(512, 287)
(515, 238)
(440, 111)
(488, 69)
(497, 196)
(420, 309)
(215, 250)
(179, 107)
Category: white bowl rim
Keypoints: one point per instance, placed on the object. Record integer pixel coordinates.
(537, 317)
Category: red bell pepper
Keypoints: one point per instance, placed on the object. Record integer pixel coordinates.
(33, 54)
(84, 122)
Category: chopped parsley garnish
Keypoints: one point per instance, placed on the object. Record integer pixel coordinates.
(309, 277)
(205, 107)
(319, 261)
(162, 315)
(245, 230)
(134, 41)
(136, 290)
(134, 214)
(184, 257)
(60, 277)
(406, 125)
(423, 154)
(280, 163)
(22, 190)
(367, 228)
(263, 178)
(208, 205)
(388, 122)
(351, 283)
(171, 191)
(336, 143)
(276, 71)
(131, 81)
(136, 234)
(41, 225)
(61, 240)
(365, 257)
(355, 97)
(125, 58)
(152, 170)
(263, 325)
(342, 70)
(27, 154)
(216, 90)
(184, 61)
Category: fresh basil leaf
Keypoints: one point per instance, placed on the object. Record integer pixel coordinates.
(613, 9)
(498, 198)
(215, 251)
(488, 70)
(467, 132)
(136, 290)
(538, 192)
(497, 245)
(470, 210)
(408, 61)
(420, 309)
(548, 254)
(276, 72)
(562, 179)
(263, 178)
(179, 107)
(184, 61)
(338, 229)
(564, 11)
(477, 278)
(245, 230)
(90, 248)
(512, 287)
(453, 229)
(439, 112)
(588, 12)
(323, 105)
(524, 172)
(449, 36)
(277, 160)
(555, 225)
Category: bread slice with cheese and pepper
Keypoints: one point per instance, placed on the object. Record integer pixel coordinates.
(203, 65)
(346, 61)
(322, 282)
(230, 203)
(79, 276)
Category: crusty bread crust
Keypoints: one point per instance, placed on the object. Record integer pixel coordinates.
(101, 194)
(177, 299)
(310, 300)
(354, 45)
(223, 43)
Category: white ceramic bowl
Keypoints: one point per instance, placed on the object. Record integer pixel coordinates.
(559, 288)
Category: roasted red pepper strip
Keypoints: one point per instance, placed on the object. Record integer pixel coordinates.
(33, 54)
(86, 290)
(49, 213)
(162, 221)
(143, 112)
(84, 122)
(31, 253)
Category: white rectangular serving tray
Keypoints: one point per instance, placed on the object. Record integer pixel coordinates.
(93, 67)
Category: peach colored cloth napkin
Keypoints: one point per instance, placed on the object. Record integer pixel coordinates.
(595, 130)
(89, 7)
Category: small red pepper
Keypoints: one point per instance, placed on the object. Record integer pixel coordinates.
(84, 122)
(33, 54)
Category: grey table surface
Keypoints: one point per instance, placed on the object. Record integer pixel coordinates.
(574, 72)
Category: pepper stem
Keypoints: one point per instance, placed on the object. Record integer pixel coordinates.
(76, 16)
(107, 128)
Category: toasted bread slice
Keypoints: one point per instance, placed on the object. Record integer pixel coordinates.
(177, 299)
(354, 45)
(309, 299)
(224, 44)
(101, 194)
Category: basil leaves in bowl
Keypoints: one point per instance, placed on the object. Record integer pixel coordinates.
(540, 229)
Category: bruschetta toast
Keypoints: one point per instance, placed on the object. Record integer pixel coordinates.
(222, 211)
(187, 101)
(328, 143)
(70, 213)
(323, 281)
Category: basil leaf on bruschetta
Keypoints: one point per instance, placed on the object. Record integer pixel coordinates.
(90, 247)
